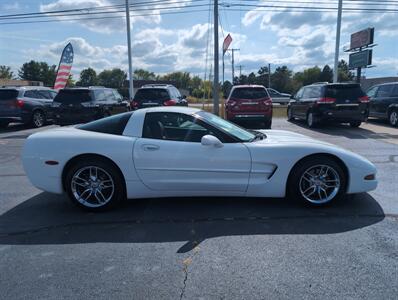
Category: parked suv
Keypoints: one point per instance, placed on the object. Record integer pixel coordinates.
(249, 103)
(330, 102)
(81, 105)
(384, 102)
(151, 95)
(28, 105)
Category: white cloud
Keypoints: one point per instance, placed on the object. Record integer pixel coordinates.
(103, 23)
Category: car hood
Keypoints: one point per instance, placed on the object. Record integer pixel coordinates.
(282, 136)
(285, 95)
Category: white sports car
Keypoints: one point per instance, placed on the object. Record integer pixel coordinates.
(177, 151)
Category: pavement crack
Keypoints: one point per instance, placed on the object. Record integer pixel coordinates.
(186, 262)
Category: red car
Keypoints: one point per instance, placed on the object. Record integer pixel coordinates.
(249, 103)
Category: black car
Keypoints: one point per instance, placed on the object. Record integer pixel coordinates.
(28, 105)
(81, 105)
(384, 102)
(330, 102)
(158, 95)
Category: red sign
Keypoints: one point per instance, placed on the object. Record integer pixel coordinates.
(362, 38)
(227, 43)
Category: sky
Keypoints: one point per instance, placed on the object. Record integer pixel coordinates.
(164, 43)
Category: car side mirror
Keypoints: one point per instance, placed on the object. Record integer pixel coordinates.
(212, 141)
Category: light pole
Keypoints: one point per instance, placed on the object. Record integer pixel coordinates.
(131, 85)
(216, 100)
(337, 49)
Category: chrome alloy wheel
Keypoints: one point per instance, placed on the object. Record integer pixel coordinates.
(319, 184)
(92, 186)
(394, 118)
(38, 119)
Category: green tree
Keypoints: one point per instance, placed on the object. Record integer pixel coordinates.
(141, 74)
(181, 79)
(281, 79)
(308, 76)
(5, 72)
(344, 73)
(38, 71)
(114, 78)
(251, 78)
(195, 83)
(326, 74)
(226, 88)
(88, 77)
(263, 76)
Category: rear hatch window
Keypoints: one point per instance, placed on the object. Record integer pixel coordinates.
(8, 94)
(73, 96)
(151, 96)
(249, 93)
(345, 93)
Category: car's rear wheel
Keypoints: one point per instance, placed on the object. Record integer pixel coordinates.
(289, 114)
(38, 119)
(94, 184)
(393, 118)
(355, 124)
(317, 181)
(4, 124)
(311, 120)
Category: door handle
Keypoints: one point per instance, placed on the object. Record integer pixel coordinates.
(150, 147)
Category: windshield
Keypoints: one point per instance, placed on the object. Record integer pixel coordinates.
(230, 128)
(249, 93)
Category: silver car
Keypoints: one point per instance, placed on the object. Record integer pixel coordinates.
(278, 97)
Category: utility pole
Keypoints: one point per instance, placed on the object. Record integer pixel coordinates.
(240, 70)
(233, 63)
(131, 85)
(337, 49)
(216, 102)
(269, 76)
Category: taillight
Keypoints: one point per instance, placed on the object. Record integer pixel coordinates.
(326, 100)
(19, 103)
(267, 101)
(364, 99)
(169, 102)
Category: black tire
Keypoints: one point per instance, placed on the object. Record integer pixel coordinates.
(355, 124)
(311, 120)
(290, 114)
(38, 119)
(267, 124)
(4, 124)
(393, 118)
(297, 184)
(116, 194)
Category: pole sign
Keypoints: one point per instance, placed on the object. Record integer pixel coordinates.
(362, 38)
(360, 59)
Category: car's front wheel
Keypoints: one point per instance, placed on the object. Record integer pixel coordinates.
(311, 120)
(4, 124)
(317, 181)
(289, 114)
(393, 118)
(38, 119)
(94, 184)
(355, 124)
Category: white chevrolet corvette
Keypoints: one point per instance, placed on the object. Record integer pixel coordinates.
(178, 151)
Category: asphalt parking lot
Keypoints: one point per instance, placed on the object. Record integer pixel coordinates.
(203, 248)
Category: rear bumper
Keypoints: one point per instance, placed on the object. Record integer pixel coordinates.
(23, 117)
(247, 116)
(61, 117)
(334, 115)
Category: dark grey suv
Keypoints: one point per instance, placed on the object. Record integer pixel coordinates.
(28, 105)
(384, 102)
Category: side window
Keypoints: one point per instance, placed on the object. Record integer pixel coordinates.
(53, 94)
(99, 95)
(177, 93)
(372, 92)
(384, 91)
(32, 94)
(299, 94)
(109, 95)
(307, 92)
(118, 97)
(175, 127)
(312, 92)
(44, 94)
(395, 91)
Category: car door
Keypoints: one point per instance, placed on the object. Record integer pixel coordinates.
(305, 102)
(294, 102)
(372, 92)
(383, 100)
(170, 156)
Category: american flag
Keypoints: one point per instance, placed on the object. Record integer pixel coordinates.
(65, 65)
(227, 42)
